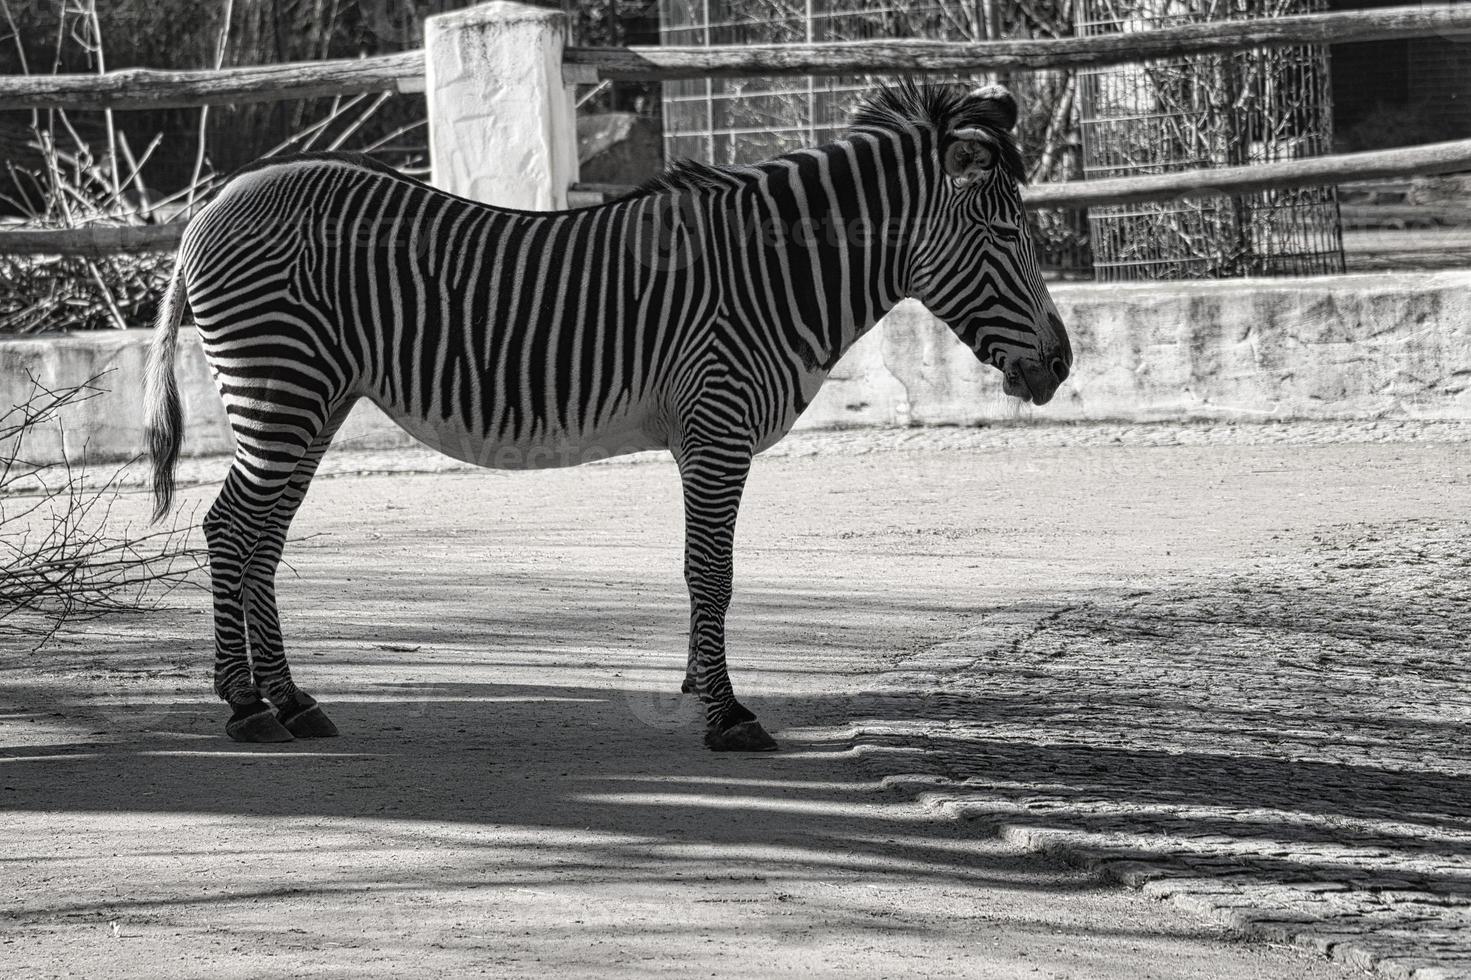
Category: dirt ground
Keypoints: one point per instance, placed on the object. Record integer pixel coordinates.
(519, 790)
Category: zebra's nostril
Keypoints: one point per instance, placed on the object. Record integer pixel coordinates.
(1059, 369)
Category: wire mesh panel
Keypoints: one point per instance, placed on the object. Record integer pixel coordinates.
(745, 120)
(1202, 111)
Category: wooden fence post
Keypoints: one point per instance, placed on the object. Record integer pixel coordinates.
(502, 125)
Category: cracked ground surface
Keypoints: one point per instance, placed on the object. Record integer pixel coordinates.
(1226, 665)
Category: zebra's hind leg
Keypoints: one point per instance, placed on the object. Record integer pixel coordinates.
(270, 446)
(296, 710)
(689, 687)
(232, 527)
(713, 479)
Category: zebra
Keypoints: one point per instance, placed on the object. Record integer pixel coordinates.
(698, 315)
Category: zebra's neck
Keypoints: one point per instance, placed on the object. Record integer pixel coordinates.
(830, 230)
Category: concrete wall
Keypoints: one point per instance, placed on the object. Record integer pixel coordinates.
(1324, 347)
(1339, 347)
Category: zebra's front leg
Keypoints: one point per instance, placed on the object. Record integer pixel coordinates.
(713, 481)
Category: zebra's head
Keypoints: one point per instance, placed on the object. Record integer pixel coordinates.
(974, 265)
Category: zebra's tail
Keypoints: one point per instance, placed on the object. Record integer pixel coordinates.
(161, 395)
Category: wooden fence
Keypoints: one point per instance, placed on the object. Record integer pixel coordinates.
(145, 88)
(897, 57)
(141, 88)
(95, 241)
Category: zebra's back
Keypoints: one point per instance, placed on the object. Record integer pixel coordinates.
(509, 339)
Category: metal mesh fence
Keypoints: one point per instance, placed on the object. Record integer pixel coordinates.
(1202, 111)
(745, 120)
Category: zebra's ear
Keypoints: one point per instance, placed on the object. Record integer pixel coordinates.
(968, 156)
(995, 105)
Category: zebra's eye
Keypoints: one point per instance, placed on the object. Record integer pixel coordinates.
(968, 158)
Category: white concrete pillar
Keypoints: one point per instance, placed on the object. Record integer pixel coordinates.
(502, 124)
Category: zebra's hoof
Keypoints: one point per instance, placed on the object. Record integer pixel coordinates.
(308, 722)
(748, 736)
(260, 726)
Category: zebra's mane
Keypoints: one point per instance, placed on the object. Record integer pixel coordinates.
(692, 175)
(946, 108)
(329, 156)
(904, 105)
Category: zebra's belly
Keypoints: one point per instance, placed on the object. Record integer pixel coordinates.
(618, 436)
(776, 429)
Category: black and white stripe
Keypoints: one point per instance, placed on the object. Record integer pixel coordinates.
(699, 315)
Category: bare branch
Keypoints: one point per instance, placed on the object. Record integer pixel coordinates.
(63, 559)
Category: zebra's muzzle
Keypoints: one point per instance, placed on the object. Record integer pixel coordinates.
(1029, 380)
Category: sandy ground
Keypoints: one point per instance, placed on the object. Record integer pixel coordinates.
(520, 791)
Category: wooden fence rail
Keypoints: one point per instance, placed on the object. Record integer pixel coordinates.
(1433, 158)
(894, 57)
(141, 88)
(1428, 158)
(145, 88)
(92, 241)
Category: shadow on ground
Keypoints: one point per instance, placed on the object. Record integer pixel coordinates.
(1287, 739)
(1160, 723)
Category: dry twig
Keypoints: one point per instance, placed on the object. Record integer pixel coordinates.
(63, 559)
